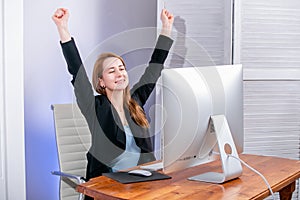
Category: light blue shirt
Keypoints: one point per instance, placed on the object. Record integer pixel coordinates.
(130, 157)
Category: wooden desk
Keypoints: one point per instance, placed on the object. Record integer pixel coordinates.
(280, 173)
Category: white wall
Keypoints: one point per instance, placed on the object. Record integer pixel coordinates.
(2, 143)
(12, 151)
(267, 44)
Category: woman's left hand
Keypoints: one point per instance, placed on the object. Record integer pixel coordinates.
(167, 20)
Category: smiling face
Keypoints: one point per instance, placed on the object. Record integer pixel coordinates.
(114, 76)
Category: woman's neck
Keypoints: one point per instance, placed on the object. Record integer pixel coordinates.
(116, 98)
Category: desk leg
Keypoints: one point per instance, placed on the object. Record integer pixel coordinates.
(287, 192)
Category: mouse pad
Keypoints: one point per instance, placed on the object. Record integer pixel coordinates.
(124, 177)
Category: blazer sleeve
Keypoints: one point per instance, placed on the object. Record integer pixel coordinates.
(82, 87)
(143, 88)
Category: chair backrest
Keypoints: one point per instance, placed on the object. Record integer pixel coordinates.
(73, 140)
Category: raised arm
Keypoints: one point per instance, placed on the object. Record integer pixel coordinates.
(82, 86)
(61, 19)
(143, 88)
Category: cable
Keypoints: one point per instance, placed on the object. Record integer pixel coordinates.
(270, 189)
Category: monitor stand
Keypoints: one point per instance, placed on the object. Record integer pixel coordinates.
(232, 167)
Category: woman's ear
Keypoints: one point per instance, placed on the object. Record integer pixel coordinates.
(101, 83)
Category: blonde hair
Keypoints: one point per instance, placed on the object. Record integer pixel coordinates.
(136, 111)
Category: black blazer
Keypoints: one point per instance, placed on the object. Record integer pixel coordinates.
(108, 136)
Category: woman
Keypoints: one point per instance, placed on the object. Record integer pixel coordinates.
(116, 119)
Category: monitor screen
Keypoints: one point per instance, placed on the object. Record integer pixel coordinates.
(186, 98)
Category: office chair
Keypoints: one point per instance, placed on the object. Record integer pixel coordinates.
(73, 140)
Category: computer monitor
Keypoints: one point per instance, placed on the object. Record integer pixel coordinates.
(186, 100)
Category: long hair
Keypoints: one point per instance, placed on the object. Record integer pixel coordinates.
(135, 110)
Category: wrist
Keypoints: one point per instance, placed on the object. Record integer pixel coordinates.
(64, 35)
(166, 30)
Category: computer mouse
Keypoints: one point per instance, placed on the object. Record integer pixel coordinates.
(140, 172)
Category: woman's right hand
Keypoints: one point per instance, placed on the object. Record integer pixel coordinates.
(61, 18)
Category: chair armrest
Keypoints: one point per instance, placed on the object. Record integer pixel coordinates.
(73, 176)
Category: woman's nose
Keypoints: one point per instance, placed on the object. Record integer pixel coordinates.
(119, 73)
